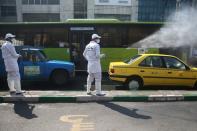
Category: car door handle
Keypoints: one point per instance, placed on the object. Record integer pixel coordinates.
(142, 71)
(169, 72)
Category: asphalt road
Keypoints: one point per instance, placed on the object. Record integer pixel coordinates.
(173, 116)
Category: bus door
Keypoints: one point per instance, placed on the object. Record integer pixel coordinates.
(78, 40)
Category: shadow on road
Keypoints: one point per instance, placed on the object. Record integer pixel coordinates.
(25, 110)
(125, 111)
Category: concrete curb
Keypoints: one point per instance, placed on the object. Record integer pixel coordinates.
(130, 98)
(94, 99)
(84, 98)
(190, 98)
(53, 99)
(165, 98)
(1, 99)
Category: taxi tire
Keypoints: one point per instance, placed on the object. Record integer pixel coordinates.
(59, 77)
(195, 86)
(134, 83)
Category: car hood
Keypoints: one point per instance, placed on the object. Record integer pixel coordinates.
(194, 68)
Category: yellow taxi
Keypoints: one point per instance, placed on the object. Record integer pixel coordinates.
(151, 70)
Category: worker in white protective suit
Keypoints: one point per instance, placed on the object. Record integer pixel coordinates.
(10, 60)
(92, 55)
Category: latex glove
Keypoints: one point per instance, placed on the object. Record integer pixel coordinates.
(102, 55)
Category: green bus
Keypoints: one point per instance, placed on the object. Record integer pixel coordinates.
(67, 40)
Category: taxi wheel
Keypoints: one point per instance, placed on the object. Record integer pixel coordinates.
(59, 77)
(195, 86)
(134, 84)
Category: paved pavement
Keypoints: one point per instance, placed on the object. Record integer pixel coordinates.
(113, 95)
(99, 116)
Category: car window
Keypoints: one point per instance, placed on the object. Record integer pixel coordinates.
(174, 63)
(152, 61)
(132, 59)
(36, 56)
(26, 56)
(146, 62)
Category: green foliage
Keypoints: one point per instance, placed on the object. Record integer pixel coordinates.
(57, 53)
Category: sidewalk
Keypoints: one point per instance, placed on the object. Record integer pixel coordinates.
(114, 95)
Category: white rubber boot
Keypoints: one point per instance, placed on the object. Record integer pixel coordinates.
(11, 85)
(88, 88)
(18, 86)
(98, 87)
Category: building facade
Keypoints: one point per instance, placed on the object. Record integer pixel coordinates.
(8, 10)
(155, 10)
(61, 10)
(125, 10)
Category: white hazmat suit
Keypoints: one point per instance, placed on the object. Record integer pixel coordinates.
(10, 60)
(92, 55)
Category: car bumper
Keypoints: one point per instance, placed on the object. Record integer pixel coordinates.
(118, 78)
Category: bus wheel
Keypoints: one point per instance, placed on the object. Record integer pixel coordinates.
(59, 77)
(134, 84)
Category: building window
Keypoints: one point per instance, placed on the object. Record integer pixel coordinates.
(104, 1)
(31, 2)
(123, 1)
(8, 11)
(24, 2)
(43, 2)
(114, 16)
(41, 17)
(53, 2)
(7, 2)
(80, 8)
(37, 2)
(155, 10)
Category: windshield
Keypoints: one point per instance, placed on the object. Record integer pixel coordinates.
(42, 55)
(132, 59)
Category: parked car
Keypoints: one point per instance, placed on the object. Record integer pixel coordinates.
(153, 70)
(35, 66)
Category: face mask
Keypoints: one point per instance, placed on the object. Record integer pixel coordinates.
(97, 40)
(13, 40)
